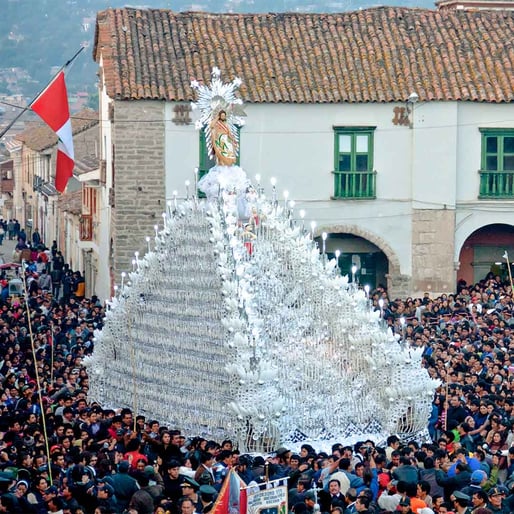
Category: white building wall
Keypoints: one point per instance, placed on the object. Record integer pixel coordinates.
(473, 213)
(434, 155)
(295, 144)
(103, 231)
(432, 165)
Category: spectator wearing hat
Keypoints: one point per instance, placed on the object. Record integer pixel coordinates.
(207, 497)
(281, 459)
(405, 506)
(106, 498)
(20, 491)
(156, 481)
(50, 493)
(496, 504)
(460, 502)
(477, 481)
(283, 455)
(190, 490)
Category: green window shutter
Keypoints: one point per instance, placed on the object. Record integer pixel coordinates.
(497, 164)
(354, 177)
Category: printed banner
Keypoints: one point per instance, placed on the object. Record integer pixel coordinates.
(269, 501)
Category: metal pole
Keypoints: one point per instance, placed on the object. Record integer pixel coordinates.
(25, 109)
(506, 257)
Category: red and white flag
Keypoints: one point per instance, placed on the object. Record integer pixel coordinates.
(52, 107)
(232, 496)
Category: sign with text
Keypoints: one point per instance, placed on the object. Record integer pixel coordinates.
(268, 501)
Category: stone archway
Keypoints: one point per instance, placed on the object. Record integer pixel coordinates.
(398, 285)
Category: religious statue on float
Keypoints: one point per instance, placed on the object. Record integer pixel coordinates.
(224, 144)
(221, 117)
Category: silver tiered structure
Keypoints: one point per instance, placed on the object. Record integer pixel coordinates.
(224, 332)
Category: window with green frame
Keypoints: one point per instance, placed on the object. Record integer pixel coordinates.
(497, 166)
(353, 162)
(206, 163)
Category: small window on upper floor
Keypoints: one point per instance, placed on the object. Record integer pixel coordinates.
(497, 166)
(354, 177)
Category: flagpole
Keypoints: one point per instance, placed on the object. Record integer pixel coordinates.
(506, 257)
(38, 380)
(25, 109)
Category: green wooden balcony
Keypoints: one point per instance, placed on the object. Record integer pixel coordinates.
(355, 184)
(497, 184)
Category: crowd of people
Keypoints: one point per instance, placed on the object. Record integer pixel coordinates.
(60, 452)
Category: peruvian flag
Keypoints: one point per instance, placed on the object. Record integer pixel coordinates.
(232, 496)
(52, 107)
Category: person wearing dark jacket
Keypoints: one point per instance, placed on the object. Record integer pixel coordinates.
(173, 480)
(123, 484)
(406, 472)
(166, 448)
(461, 479)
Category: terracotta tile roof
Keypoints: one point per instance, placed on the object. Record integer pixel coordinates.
(375, 55)
(41, 137)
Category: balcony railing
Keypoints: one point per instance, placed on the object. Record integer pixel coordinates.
(498, 184)
(355, 184)
(86, 227)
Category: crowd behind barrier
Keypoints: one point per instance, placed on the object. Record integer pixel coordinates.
(62, 453)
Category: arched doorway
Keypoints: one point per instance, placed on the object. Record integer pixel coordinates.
(483, 252)
(371, 263)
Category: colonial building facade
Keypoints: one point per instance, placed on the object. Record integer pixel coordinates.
(392, 128)
(71, 219)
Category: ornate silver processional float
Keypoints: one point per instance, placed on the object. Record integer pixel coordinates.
(234, 325)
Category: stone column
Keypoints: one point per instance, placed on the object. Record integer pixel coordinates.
(433, 240)
(139, 181)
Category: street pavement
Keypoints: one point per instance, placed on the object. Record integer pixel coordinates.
(6, 250)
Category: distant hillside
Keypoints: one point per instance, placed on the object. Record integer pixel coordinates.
(38, 36)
